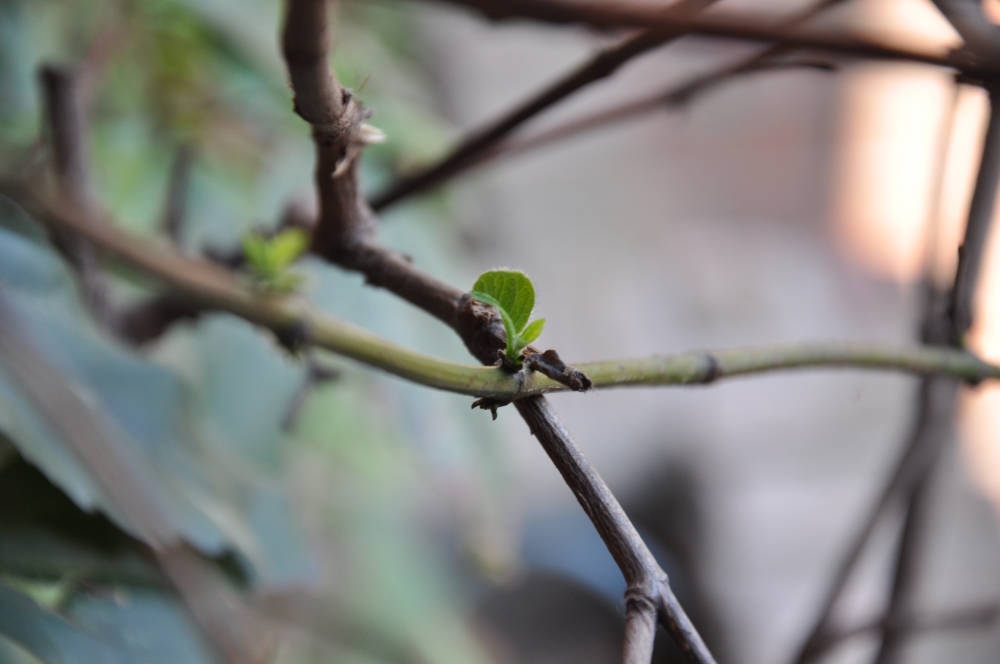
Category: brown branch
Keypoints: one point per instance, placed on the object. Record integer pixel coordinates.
(740, 26)
(946, 320)
(955, 321)
(340, 238)
(175, 206)
(67, 127)
(494, 139)
(909, 549)
(667, 100)
(978, 225)
(480, 142)
(973, 617)
(649, 592)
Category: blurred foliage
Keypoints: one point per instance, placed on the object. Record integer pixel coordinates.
(379, 499)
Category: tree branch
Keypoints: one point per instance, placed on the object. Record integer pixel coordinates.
(66, 122)
(209, 286)
(494, 139)
(972, 617)
(648, 591)
(954, 322)
(946, 320)
(471, 150)
(741, 26)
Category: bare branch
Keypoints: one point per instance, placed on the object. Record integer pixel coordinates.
(974, 617)
(733, 25)
(909, 549)
(175, 207)
(640, 630)
(494, 139)
(661, 101)
(946, 320)
(647, 582)
(479, 143)
(978, 225)
(67, 129)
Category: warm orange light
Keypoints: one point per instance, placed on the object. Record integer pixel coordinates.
(887, 169)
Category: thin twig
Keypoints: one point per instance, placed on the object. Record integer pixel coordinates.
(909, 549)
(733, 25)
(672, 98)
(175, 207)
(956, 321)
(481, 141)
(494, 140)
(974, 617)
(67, 126)
(942, 325)
(648, 592)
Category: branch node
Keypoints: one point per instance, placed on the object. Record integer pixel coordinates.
(550, 364)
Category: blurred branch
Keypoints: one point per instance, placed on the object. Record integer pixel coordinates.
(316, 375)
(474, 147)
(949, 326)
(946, 320)
(910, 547)
(973, 617)
(661, 101)
(67, 127)
(175, 207)
(981, 36)
(740, 26)
(494, 140)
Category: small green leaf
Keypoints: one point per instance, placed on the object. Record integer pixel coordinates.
(512, 291)
(255, 249)
(531, 332)
(286, 246)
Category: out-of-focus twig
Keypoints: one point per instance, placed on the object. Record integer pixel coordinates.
(495, 139)
(974, 617)
(732, 25)
(67, 128)
(955, 322)
(947, 318)
(175, 206)
(480, 143)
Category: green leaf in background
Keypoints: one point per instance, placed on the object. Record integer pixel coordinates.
(269, 258)
(50, 637)
(286, 246)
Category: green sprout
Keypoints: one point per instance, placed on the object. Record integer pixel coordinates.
(269, 258)
(513, 295)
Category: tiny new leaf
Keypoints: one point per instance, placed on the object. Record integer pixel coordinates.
(513, 295)
(269, 258)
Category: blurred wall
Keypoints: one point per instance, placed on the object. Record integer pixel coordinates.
(759, 213)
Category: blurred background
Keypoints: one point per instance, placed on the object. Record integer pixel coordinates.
(369, 520)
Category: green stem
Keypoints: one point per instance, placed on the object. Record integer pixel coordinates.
(216, 288)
